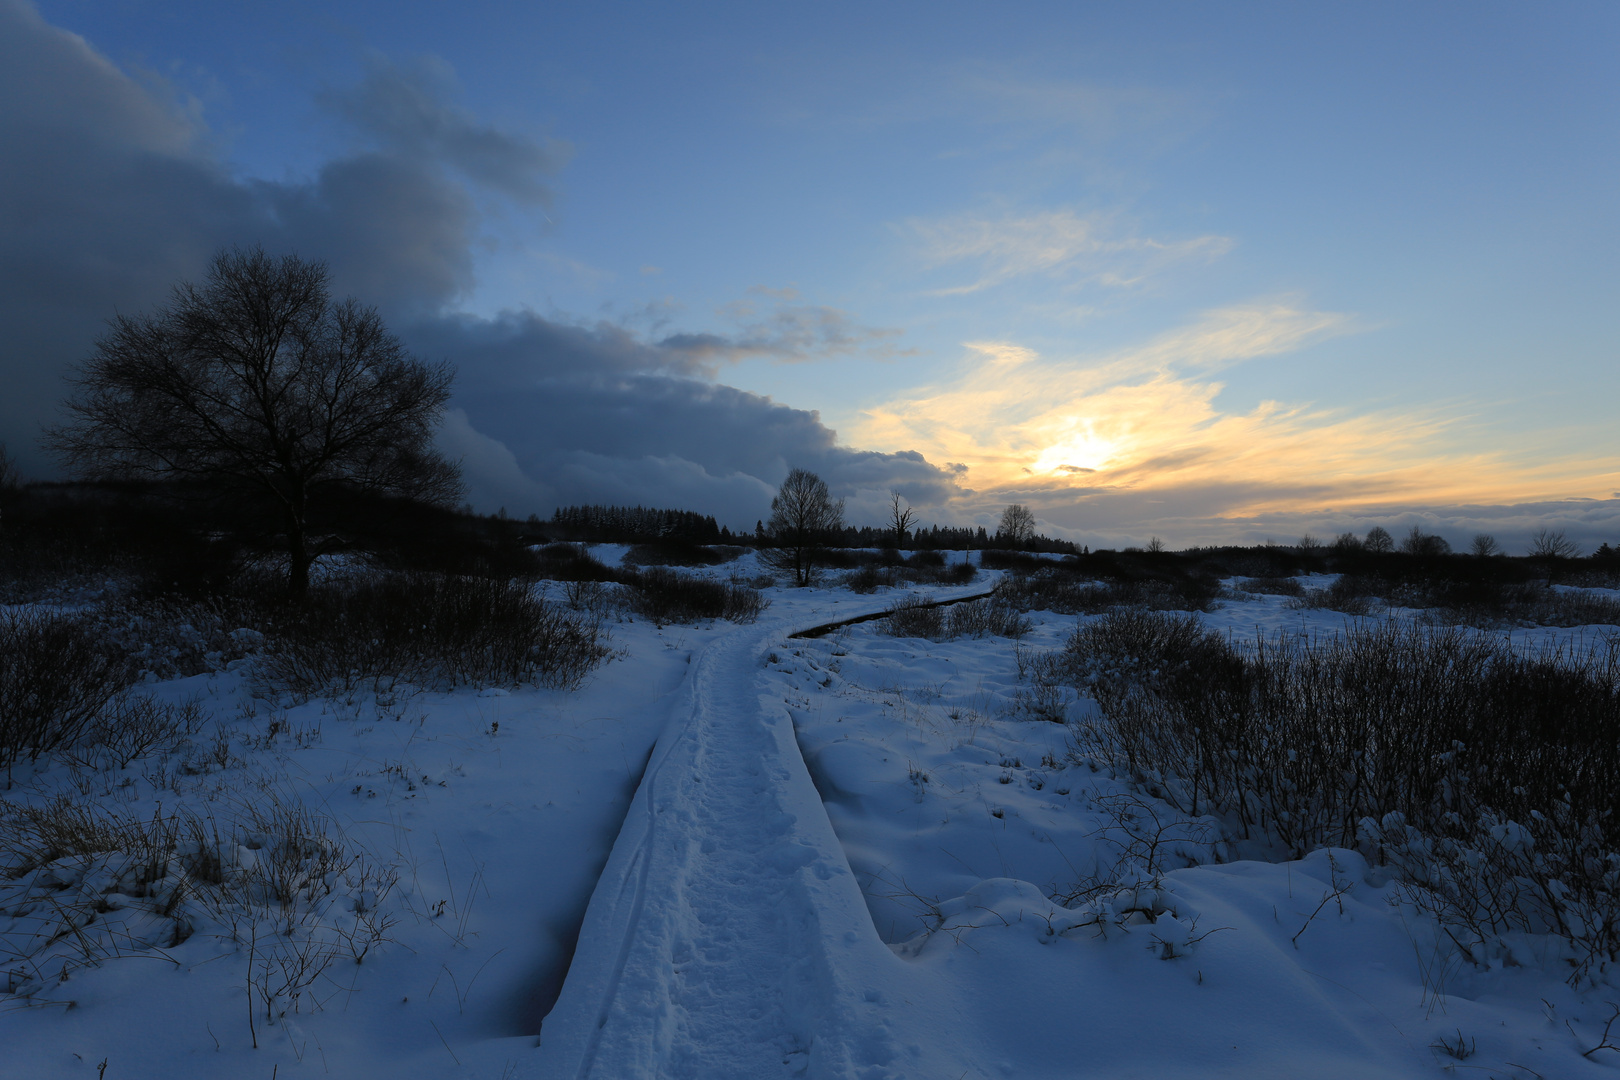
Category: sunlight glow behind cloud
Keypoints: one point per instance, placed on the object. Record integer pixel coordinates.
(1146, 421)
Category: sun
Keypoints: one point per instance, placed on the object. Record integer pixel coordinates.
(1081, 452)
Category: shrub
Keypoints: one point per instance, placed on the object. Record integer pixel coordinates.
(1016, 561)
(572, 562)
(430, 630)
(1274, 586)
(986, 618)
(1483, 602)
(915, 617)
(92, 884)
(869, 578)
(1489, 778)
(56, 678)
(678, 553)
(667, 596)
(1060, 591)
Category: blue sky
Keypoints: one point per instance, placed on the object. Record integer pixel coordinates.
(1207, 272)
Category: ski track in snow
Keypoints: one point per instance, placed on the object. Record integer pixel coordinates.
(727, 937)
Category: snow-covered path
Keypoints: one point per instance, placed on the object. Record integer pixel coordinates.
(727, 937)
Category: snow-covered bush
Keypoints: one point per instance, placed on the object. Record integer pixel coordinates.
(664, 595)
(429, 630)
(1501, 771)
(1061, 590)
(56, 678)
(916, 617)
(81, 884)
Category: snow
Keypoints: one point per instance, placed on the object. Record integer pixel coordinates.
(848, 856)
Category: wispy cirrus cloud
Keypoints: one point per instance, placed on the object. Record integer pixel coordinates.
(771, 324)
(1059, 244)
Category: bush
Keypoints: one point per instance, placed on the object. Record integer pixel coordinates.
(56, 678)
(92, 884)
(991, 617)
(1483, 602)
(1059, 590)
(916, 617)
(677, 553)
(667, 596)
(572, 562)
(1489, 778)
(869, 578)
(429, 630)
(1016, 561)
(1274, 586)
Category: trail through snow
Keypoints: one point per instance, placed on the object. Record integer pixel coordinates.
(727, 936)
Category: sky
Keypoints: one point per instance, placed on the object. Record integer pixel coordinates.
(1213, 273)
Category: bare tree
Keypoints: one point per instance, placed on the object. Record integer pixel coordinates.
(1017, 525)
(1418, 542)
(1348, 542)
(1553, 544)
(901, 518)
(1379, 542)
(256, 378)
(1156, 546)
(1485, 545)
(804, 516)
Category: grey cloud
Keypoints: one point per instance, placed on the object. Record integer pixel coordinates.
(787, 332)
(588, 410)
(406, 108)
(108, 196)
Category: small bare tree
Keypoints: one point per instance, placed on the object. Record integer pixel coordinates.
(804, 516)
(256, 378)
(1017, 525)
(901, 518)
(1553, 544)
(1379, 542)
(1485, 545)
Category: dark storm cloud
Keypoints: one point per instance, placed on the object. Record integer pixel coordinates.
(406, 108)
(562, 413)
(109, 195)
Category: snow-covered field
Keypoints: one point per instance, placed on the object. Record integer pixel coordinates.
(848, 856)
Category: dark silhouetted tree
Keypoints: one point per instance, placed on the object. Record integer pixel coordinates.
(256, 378)
(1418, 542)
(804, 516)
(1017, 525)
(1485, 546)
(1553, 544)
(1379, 542)
(1347, 543)
(901, 518)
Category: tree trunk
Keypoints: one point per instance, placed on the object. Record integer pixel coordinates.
(298, 557)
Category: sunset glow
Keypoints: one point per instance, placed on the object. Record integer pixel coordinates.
(1212, 276)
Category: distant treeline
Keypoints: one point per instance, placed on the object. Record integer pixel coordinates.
(646, 525)
(635, 525)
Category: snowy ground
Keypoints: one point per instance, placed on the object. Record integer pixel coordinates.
(848, 856)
